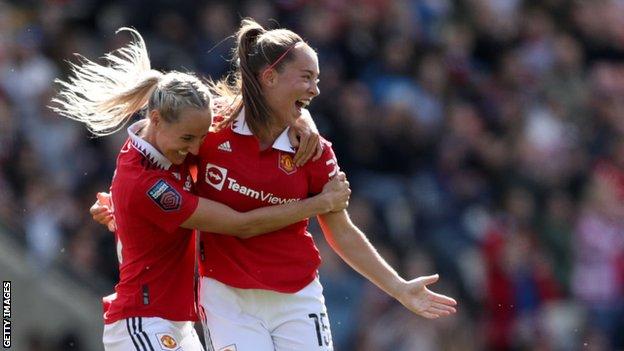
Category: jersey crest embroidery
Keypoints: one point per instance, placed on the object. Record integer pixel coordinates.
(167, 342)
(165, 196)
(286, 163)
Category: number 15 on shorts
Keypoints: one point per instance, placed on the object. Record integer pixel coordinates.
(323, 334)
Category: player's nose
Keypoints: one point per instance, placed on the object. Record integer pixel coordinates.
(314, 89)
(194, 149)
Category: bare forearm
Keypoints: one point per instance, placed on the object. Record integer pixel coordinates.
(211, 216)
(352, 245)
(271, 218)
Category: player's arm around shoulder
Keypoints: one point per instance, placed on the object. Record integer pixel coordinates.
(305, 137)
(165, 201)
(214, 217)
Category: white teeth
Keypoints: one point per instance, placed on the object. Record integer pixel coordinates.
(182, 153)
(305, 103)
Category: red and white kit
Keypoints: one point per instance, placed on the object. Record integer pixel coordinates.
(276, 273)
(153, 306)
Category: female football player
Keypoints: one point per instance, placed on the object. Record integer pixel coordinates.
(263, 293)
(155, 209)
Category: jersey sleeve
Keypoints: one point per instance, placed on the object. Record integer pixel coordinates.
(323, 169)
(163, 202)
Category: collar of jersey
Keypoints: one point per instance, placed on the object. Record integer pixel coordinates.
(282, 143)
(145, 148)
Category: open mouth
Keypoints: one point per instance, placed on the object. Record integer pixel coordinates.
(301, 104)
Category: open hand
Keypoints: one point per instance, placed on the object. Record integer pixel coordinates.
(419, 299)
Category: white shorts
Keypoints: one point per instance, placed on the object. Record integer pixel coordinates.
(263, 320)
(150, 334)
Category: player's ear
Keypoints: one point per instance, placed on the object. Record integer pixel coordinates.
(154, 117)
(269, 77)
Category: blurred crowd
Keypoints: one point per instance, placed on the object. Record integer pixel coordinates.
(484, 140)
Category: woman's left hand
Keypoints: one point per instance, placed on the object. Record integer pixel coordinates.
(415, 295)
(304, 135)
(102, 211)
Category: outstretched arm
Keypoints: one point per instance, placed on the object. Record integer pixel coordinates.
(353, 246)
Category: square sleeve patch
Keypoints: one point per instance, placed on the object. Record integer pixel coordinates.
(165, 196)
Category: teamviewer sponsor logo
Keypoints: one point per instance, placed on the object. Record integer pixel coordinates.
(6, 314)
(215, 176)
(258, 194)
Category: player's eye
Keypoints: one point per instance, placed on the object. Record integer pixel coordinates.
(187, 138)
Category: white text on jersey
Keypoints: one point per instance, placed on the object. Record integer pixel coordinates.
(258, 195)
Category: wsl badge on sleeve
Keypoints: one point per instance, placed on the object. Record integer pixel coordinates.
(165, 196)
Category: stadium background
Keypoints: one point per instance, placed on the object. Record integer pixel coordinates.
(483, 140)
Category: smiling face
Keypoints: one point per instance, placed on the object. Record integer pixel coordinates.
(176, 139)
(294, 85)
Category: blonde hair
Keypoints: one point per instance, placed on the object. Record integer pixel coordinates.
(256, 49)
(105, 97)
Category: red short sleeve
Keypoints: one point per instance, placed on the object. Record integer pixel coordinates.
(163, 202)
(323, 169)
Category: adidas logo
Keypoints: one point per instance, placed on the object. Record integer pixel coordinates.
(225, 146)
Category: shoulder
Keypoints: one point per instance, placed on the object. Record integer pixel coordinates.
(328, 151)
(322, 170)
(162, 190)
(215, 137)
(130, 166)
(137, 174)
(326, 143)
(327, 162)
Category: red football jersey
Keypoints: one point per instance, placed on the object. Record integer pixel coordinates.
(234, 171)
(151, 198)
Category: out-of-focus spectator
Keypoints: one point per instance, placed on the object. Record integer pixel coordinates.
(598, 247)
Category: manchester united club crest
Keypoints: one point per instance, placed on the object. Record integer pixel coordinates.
(286, 163)
(167, 342)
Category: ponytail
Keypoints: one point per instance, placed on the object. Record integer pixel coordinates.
(253, 98)
(104, 98)
(256, 49)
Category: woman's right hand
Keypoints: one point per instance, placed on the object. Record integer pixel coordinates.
(337, 192)
(102, 211)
